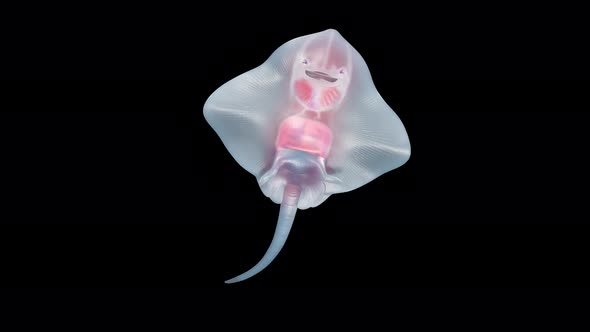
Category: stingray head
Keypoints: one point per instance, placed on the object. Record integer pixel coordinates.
(321, 71)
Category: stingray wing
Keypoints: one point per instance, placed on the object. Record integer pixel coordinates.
(246, 111)
(369, 138)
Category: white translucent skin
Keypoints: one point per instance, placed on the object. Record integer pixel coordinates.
(368, 137)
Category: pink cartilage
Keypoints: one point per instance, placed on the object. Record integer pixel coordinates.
(303, 134)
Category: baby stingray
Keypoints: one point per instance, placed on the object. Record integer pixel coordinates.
(307, 123)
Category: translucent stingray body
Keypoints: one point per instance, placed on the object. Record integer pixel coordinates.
(308, 123)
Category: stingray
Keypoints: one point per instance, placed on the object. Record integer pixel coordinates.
(307, 123)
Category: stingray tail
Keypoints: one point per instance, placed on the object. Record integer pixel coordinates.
(286, 216)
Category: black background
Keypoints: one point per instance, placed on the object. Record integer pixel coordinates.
(113, 180)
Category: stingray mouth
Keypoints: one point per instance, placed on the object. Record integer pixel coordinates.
(318, 75)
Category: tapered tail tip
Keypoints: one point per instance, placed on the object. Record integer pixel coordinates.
(232, 280)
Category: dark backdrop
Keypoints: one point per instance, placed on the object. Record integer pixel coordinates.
(124, 183)
(112, 178)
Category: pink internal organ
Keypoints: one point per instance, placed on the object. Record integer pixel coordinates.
(299, 133)
(329, 97)
(303, 90)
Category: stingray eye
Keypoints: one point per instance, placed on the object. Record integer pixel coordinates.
(305, 61)
(341, 71)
